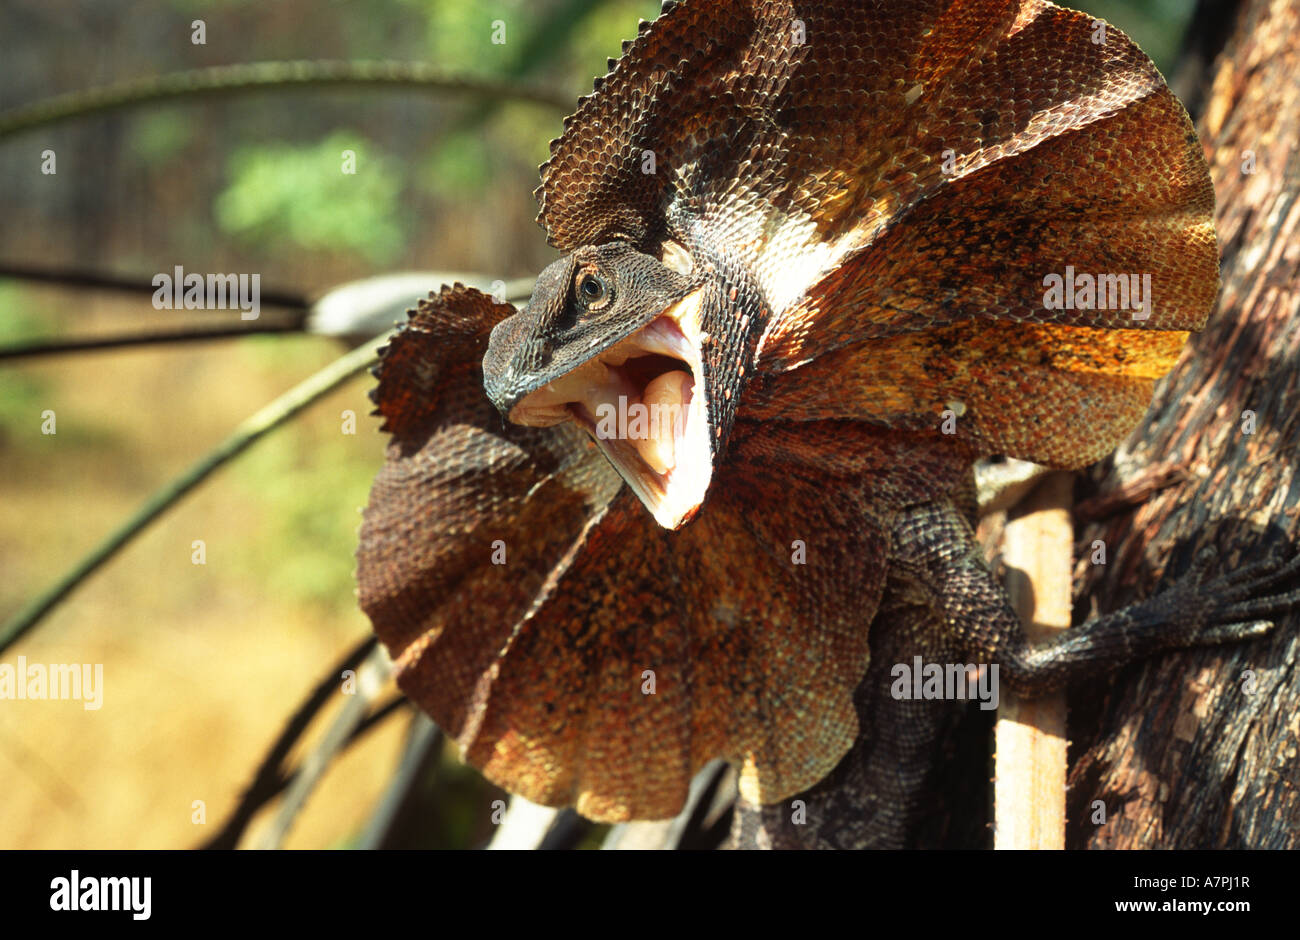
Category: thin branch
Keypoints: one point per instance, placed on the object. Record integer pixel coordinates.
(257, 76)
(253, 429)
(370, 676)
(568, 832)
(421, 752)
(392, 706)
(30, 349)
(270, 779)
(364, 322)
(99, 280)
(524, 825)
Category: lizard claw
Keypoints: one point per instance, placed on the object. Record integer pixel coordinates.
(1231, 606)
(1253, 579)
(1235, 632)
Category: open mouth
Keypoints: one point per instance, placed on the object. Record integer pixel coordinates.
(643, 403)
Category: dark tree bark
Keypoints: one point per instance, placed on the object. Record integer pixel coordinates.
(1201, 749)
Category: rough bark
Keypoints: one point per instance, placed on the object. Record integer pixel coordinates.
(1202, 749)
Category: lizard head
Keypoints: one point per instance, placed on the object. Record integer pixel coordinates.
(612, 341)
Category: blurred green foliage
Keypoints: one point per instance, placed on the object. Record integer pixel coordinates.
(1155, 25)
(282, 194)
(303, 193)
(460, 164)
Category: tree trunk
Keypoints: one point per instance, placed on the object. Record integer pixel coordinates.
(1201, 749)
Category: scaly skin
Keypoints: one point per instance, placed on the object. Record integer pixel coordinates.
(941, 602)
(865, 197)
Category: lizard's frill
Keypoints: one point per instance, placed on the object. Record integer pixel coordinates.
(915, 167)
(578, 652)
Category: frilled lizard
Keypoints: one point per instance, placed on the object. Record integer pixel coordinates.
(822, 236)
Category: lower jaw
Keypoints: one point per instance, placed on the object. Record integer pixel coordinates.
(672, 498)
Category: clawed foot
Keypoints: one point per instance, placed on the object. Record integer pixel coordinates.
(1232, 606)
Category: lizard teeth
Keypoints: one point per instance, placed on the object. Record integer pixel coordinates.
(656, 436)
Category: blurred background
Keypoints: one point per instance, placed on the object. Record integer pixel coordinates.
(203, 664)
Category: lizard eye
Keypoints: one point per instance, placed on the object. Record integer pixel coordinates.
(593, 290)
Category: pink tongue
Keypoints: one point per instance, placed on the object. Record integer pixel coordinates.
(671, 392)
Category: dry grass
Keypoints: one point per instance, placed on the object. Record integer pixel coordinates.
(202, 663)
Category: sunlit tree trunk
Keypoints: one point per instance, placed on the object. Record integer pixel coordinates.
(1202, 749)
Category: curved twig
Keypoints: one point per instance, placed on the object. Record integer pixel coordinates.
(265, 420)
(126, 284)
(55, 347)
(370, 677)
(256, 76)
(422, 751)
(270, 779)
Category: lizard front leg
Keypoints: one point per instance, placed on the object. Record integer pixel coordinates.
(943, 604)
(936, 545)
